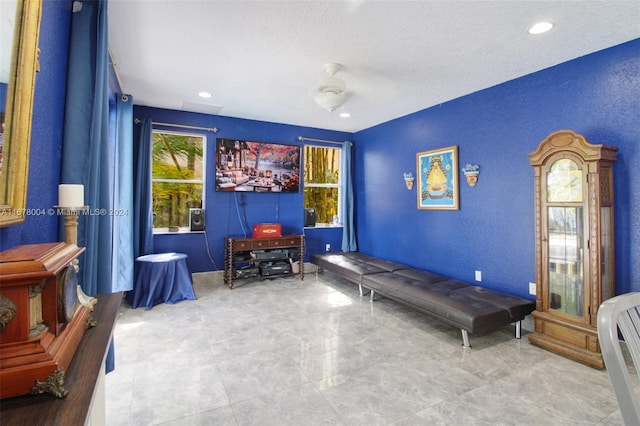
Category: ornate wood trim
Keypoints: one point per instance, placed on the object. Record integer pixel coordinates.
(8, 311)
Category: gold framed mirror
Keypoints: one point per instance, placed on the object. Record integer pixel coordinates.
(14, 164)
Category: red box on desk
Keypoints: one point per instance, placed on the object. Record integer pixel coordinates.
(266, 230)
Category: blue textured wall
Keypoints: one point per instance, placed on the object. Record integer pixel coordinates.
(46, 133)
(596, 95)
(223, 208)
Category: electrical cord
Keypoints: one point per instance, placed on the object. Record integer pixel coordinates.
(244, 213)
(244, 230)
(206, 242)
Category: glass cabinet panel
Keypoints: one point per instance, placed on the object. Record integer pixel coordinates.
(564, 182)
(566, 236)
(575, 262)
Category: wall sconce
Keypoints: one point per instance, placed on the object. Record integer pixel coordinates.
(471, 172)
(408, 180)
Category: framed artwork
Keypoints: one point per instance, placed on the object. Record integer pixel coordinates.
(438, 179)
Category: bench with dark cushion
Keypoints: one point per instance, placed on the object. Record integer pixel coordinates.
(471, 308)
(353, 266)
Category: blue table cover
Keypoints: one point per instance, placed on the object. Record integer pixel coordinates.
(161, 278)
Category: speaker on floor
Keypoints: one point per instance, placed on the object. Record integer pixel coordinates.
(196, 219)
(309, 217)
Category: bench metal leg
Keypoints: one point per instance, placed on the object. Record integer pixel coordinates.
(465, 339)
(518, 329)
(360, 289)
(371, 294)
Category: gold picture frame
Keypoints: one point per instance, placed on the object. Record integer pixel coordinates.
(438, 183)
(19, 109)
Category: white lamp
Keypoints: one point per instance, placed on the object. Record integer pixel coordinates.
(332, 89)
(330, 101)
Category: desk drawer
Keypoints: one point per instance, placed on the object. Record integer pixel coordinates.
(260, 243)
(291, 241)
(277, 242)
(240, 245)
(285, 241)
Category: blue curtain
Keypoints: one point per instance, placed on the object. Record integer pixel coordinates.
(86, 149)
(346, 193)
(143, 215)
(122, 259)
(88, 155)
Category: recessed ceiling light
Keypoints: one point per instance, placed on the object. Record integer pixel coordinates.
(540, 27)
(345, 114)
(205, 95)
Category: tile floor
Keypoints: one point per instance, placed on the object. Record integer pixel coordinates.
(312, 352)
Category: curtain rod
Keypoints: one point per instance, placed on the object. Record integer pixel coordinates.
(208, 129)
(302, 139)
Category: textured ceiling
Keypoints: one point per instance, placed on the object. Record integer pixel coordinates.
(263, 60)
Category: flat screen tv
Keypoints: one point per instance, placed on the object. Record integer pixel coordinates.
(257, 166)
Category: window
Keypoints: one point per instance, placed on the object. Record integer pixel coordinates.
(322, 182)
(177, 177)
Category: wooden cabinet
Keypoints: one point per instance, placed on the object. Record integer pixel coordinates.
(248, 258)
(575, 262)
(41, 324)
(84, 404)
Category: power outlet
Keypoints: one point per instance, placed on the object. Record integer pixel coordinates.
(327, 247)
(532, 289)
(479, 276)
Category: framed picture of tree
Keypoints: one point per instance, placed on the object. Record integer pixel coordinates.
(437, 172)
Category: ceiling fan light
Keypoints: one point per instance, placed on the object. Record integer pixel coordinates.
(332, 84)
(330, 100)
(331, 90)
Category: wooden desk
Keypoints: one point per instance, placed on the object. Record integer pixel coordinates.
(85, 371)
(237, 251)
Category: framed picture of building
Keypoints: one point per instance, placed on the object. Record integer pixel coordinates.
(437, 172)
